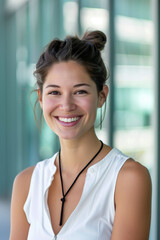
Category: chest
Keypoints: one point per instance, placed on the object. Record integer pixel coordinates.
(71, 200)
(88, 211)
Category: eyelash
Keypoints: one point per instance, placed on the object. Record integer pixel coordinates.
(79, 92)
(54, 93)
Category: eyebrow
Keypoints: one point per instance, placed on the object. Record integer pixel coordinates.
(75, 86)
(82, 84)
(52, 85)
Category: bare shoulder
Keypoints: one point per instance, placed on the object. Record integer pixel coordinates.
(133, 167)
(134, 171)
(21, 185)
(19, 223)
(132, 202)
(22, 181)
(26, 173)
(133, 176)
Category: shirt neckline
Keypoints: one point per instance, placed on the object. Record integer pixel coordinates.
(95, 165)
(52, 172)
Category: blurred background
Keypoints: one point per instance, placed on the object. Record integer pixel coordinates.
(132, 55)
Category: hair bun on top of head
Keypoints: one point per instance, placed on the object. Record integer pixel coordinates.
(97, 38)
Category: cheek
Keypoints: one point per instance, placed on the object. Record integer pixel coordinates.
(48, 105)
(90, 105)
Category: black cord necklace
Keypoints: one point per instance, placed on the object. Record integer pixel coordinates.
(65, 194)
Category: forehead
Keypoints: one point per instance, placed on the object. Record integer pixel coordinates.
(70, 71)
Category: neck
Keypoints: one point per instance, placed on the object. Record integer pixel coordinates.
(76, 153)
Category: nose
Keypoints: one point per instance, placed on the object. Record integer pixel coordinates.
(67, 103)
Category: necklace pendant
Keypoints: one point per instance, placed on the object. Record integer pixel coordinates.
(63, 200)
(61, 218)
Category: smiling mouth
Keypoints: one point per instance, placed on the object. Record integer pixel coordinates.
(68, 120)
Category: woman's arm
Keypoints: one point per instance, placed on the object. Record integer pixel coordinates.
(19, 224)
(133, 203)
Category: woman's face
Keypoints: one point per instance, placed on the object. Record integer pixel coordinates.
(69, 100)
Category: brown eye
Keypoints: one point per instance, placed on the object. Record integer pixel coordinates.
(54, 93)
(81, 92)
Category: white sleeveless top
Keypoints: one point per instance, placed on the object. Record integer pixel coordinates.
(93, 217)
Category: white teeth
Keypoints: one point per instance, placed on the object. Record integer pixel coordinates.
(68, 119)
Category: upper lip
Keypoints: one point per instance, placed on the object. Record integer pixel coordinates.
(73, 116)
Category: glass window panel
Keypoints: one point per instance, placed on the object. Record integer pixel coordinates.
(70, 14)
(134, 81)
(13, 5)
(94, 15)
(47, 24)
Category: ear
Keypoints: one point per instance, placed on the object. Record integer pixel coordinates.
(40, 98)
(102, 96)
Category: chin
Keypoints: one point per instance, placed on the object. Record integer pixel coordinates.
(68, 137)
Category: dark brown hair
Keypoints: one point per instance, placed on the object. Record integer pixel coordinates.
(85, 51)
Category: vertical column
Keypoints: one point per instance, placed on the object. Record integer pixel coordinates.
(60, 18)
(79, 18)
(112, 64)
(2, 100)
(157, 106)
(11, 101)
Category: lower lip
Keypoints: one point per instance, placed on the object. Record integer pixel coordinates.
(68, 124)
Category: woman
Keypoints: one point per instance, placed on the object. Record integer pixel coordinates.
(87, 190)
